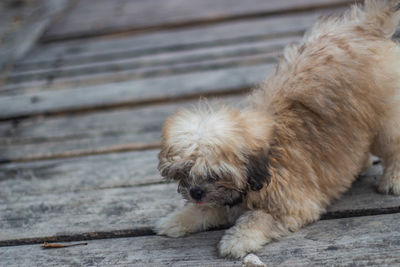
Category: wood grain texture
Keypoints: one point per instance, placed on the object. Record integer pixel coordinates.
(21, 24)
(95, 95)
(134, 92)
(95, 17)
(74, 213)
(363, 241)
(193, 41)
(92, 133)
(128, 46)
(90, 50)
(79, 174)
(136, 70)
(173, 61)
(63, 202)
(131, 75)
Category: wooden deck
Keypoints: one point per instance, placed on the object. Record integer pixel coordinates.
(80, 120)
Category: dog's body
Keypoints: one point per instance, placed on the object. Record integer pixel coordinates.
(307, 134)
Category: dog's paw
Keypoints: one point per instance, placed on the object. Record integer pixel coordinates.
(390, 184)
(235, 245)
(170, 226)
(231, 247)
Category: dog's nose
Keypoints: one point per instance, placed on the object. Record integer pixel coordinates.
(196, 193)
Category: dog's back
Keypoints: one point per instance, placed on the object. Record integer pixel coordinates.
(344, 63)
(334, 96)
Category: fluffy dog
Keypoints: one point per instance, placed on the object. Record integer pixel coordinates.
(305, 136)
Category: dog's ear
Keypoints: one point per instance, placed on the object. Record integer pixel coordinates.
(257, 170)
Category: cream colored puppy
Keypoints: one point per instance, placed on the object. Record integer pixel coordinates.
(306, 135)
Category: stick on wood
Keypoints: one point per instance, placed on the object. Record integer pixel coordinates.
(53, 245)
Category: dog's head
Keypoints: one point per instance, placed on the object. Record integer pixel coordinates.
(216, 156)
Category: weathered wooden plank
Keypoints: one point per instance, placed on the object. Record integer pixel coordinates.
(94, 17)
(134, 71)
(67, 214)
(21, 24)
(154, 64)
(103, 49)
(134, 92)
(362, 241)
(34, 214)
(79, 174)
(92, 133)
(153, 45)
(128, 74)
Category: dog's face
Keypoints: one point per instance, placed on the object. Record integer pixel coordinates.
(216, 156)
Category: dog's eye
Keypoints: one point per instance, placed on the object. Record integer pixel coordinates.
(182, 174)
(212, 178)
(182, 182)
(179, 176)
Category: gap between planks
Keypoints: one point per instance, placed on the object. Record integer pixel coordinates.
(148, 231)
(367, 241)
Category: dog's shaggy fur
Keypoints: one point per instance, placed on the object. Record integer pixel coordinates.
(306, 135)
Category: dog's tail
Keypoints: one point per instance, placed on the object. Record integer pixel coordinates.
(383, 16)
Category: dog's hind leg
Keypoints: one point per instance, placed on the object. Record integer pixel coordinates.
(387, 146)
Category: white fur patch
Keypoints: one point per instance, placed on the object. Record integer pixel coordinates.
(201, 127)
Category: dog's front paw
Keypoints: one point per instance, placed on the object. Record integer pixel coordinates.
(170, 226)
(236, 244)
(230, 247)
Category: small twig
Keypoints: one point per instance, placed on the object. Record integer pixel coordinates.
(53, 245)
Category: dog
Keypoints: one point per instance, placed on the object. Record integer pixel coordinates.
(306, 134)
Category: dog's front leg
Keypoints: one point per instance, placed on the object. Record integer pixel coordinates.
(192, 218)
(251, 231)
